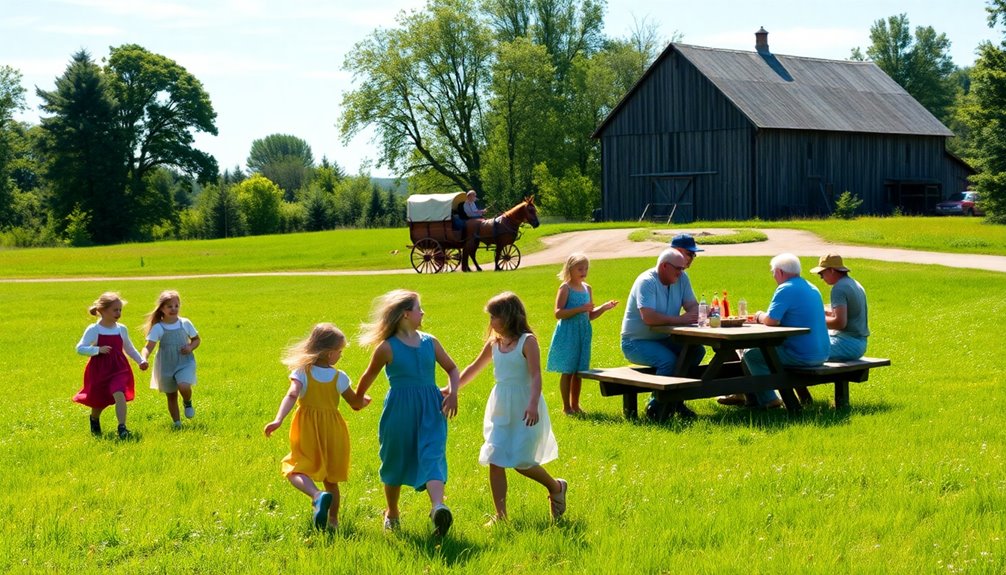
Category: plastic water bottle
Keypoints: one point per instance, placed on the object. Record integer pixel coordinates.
(742, 307)
(703, 310)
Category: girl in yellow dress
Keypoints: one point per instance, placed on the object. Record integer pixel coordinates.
(319, 438)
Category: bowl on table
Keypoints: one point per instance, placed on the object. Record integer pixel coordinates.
(732, 321)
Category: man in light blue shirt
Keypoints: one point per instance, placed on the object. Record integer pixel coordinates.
(657, 297)
(795, 303)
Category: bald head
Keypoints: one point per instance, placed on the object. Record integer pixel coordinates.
(670, 265)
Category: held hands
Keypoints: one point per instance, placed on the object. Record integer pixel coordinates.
(450, 405)
(272, 426)
(587, 307)
(531, 415)
(104, 349)
(185, 349)
(364, 402)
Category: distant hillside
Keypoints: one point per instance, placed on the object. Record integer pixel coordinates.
(399, 186)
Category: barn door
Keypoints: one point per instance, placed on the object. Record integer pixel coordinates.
(673, 200)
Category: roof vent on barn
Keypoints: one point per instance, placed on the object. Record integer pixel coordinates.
(761, 40)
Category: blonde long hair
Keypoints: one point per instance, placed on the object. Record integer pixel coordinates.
(385, 316)
(324, 337)
(574, 259)
(105, 301)
(153, 318)
(508, 307)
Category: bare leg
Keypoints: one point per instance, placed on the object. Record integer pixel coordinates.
(185, 389)
(498, 487)
(333, 511)
(574, 393)
(120, 407)
(172, 405)
(435, 489)
(304, 484)
(539, 474)
(391, 494)
(564, 391)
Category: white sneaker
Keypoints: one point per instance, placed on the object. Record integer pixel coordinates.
(190, 411)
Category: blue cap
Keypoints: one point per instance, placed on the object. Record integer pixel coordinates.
(685, 241)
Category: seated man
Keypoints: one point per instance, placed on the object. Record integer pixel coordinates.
(466, 211)
(656, 298)
(795, 303)
(847, 318)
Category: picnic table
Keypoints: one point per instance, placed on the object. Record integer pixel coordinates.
(725, 373)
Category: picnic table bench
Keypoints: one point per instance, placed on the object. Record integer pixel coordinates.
(725, 374)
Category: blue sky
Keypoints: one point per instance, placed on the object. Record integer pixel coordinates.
(275, 66)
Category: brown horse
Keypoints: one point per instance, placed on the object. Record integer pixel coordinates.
(499, 232)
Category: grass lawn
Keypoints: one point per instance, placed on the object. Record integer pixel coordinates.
(911, 479)
(385, 249)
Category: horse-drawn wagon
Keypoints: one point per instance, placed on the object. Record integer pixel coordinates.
(438, 246)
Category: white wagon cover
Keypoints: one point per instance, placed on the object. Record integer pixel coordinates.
(432, 207)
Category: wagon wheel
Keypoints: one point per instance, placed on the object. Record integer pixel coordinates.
(453, 259)
(508, 257)
(427, 256)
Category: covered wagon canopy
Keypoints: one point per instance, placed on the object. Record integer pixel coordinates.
(432, 207)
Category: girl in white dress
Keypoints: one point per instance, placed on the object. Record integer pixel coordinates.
(517, 430)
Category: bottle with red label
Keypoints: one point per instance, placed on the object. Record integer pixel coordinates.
(726, 305)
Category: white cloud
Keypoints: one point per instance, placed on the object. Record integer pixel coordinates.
(150, 9)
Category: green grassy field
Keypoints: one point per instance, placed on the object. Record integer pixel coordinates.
(385, 249)
(910, 480)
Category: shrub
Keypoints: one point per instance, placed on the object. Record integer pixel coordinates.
(846, 206)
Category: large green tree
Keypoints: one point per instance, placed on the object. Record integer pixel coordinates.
(84, 149)
(11, 101)
(985, 114)
(422, 88)
(285, 159)
(921, 65)
(160, 107)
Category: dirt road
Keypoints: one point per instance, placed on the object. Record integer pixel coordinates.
(611, 244)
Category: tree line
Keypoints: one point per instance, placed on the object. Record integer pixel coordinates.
(112, 160)
(500, 96)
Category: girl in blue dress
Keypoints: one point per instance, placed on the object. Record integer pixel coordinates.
(413, 428)
(569, 352)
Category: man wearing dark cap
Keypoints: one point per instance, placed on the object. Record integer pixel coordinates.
(685, 244)
(847, 318)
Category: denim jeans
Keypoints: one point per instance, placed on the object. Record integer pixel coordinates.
(845, 347)
(661, 354)
(754, 359)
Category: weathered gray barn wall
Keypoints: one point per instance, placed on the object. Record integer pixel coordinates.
(694, 129)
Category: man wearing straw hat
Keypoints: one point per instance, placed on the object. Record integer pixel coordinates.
(847, 318)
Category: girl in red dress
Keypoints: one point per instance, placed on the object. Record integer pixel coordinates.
(108, 379)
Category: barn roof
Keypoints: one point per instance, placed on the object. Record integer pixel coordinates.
(797, 93)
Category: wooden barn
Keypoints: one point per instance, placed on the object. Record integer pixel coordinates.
(708, 133)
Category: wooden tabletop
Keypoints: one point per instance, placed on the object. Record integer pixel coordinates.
(748, 331)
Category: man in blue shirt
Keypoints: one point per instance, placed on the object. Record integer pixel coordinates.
(795, 303)
(657, 297)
